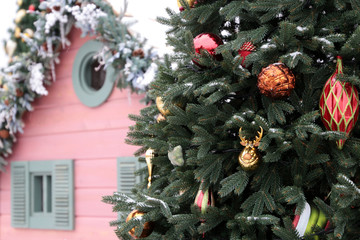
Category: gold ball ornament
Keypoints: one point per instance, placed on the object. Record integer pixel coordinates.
(20, 15)
(148, 226)
(19, 2)
(181, 7)
(160, 106)
(276, 81)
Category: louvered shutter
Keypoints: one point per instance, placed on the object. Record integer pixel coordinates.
(127, 166)
(19, 194)
(63, 194)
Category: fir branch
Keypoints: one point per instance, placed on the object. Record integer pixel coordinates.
(236, 182)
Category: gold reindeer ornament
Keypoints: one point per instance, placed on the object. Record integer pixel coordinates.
(249, 157)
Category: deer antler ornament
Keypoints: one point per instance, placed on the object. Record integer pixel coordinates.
(249, 157)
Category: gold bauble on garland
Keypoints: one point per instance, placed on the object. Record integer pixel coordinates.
(28, 33)
(148, 226)
(17, 32)
(10, 48)
(20, 15)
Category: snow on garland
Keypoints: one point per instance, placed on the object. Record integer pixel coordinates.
(29, 72)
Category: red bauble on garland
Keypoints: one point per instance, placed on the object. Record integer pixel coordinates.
(339, 104)
(245, 50)
(31, 8)
(208, 42)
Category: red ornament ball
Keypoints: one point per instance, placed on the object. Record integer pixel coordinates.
(32, 8)
(208, 42)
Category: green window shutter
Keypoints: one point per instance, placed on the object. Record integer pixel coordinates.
(63, 194)
(19, 194)
(127, 166)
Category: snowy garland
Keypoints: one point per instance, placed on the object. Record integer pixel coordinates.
(30, 72)
(37, 78)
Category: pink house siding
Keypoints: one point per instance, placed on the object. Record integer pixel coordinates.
(60, 127)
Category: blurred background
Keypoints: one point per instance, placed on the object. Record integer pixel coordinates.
(144, 12)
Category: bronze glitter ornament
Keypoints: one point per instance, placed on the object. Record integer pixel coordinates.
(276, 81)
(148, 226)
(249, 157)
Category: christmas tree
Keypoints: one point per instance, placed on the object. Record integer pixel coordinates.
(257, 135)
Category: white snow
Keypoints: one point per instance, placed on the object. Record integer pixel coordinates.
(267, 46)
(302, 29)
(323, 40)
(36, 79)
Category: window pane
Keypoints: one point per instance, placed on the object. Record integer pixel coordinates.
(49, 193)
(97, 76)
(38, 194)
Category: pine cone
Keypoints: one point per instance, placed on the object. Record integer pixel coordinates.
(138, 53)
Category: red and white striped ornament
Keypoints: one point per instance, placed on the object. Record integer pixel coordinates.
(308, 219)
(204, 199)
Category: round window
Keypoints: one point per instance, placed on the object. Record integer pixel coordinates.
(92, 83)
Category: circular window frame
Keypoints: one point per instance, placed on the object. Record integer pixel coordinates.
(87, 95)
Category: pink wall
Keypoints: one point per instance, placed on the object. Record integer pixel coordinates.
(60, 127)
